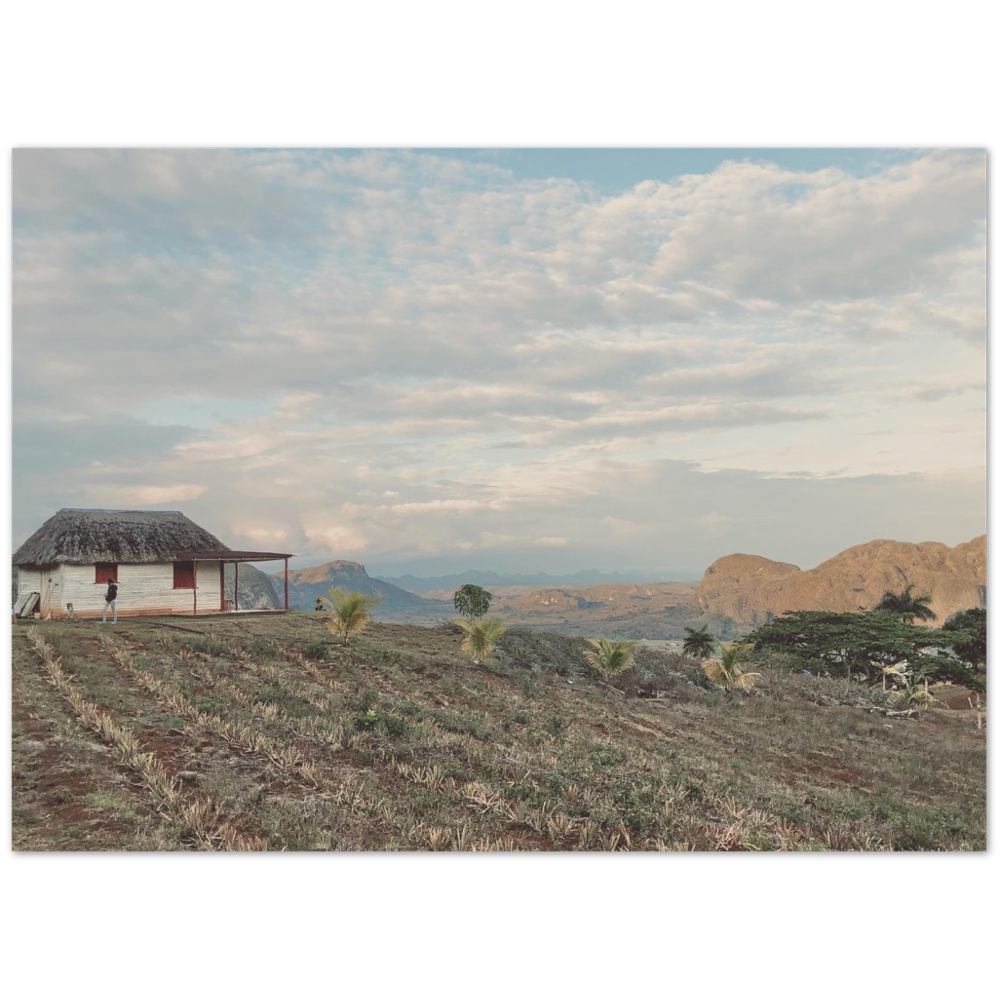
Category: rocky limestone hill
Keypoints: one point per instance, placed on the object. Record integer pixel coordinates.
(305, 585)
(256, 589)
(746, 587)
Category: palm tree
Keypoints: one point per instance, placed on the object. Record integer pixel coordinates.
(699, 642)
(481, 636)
(610, 658)
(351, 612)
(727, 672)
(897, 671)
(906, 605)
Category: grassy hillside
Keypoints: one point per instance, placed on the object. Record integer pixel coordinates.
(265, 733)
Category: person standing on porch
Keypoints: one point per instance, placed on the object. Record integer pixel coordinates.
(110, 599)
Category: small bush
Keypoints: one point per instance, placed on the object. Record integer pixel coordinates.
(556, 726)
(209, 645)
(481, 636)
(366, 720)
(316, 649)
(610, 658)
(350, 612)
(655, 672)
(471, 601)
(393, 724)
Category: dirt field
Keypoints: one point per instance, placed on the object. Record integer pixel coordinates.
(268, 734)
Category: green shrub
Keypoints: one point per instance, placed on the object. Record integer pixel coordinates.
(350, 612)
(316, 649)
(367, 719)
(480, 636)
(472, 602)
(610, 658)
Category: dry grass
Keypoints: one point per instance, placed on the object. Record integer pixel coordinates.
(262, 734)
(197, 817)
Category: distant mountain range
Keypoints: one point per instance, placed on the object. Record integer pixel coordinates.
(657, 610)
(487, 579)
(736, 593)
(305, 585)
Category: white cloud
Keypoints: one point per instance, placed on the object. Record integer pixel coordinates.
(406, 354)
(128, 495)
(716, 524)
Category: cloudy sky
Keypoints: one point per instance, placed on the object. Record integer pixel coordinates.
(537, 360)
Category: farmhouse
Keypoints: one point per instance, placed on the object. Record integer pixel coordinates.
(164, 564)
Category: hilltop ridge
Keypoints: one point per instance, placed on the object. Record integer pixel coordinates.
(736, 593)
(305, 585)
(748, 587)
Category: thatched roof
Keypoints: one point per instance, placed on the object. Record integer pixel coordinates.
(82, 537)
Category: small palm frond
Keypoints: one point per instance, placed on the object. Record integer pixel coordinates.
(888, 672)
(744, 681)
(922, 697)
(895, 672)
(727, 673)
(715, 672)
(699, 642)
(480, 636)
(732, 655)
(610, 658)
(350, 612)
(906, 605)
(919, 697)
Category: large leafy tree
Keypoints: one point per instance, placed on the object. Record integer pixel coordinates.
(965, 634)
(699, 642)
(906, 605)
(866, 642)
(350, 612)
(941, 668)
(610, 658)
(480, 636)
(472, 602)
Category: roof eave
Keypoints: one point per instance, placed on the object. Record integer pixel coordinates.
(232, 555)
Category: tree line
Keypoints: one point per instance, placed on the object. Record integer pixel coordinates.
(869, 645)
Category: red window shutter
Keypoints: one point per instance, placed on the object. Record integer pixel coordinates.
(183, 576)
(104, 572)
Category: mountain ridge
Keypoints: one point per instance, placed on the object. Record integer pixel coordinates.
(306, 585)
(489, 578)
(749, 588)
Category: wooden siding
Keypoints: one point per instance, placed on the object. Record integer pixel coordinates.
(30, 578)
(146, 589)
(43, 580)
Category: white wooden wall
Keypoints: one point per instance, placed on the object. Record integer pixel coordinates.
(46, 582)
(142, 590)
(29, 580)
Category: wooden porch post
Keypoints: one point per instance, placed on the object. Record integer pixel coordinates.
(236, 586)
(222, 585)
(286, 585)
(194, 569)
